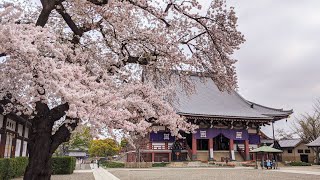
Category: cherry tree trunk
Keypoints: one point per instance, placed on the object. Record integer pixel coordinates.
(42, 142)
(39, 167)
(40, 146)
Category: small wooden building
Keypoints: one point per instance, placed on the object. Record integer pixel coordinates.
(14, 133)
(296, 150)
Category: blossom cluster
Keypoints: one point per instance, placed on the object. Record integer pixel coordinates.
(97, 56)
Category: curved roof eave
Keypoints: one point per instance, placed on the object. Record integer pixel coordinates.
(267, 118)
(273, 109)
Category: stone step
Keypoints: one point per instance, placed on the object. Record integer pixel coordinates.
(238, 157)
(217, 155)
(177, 164)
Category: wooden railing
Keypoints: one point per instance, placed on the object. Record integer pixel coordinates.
(150, 146)
(156, 147)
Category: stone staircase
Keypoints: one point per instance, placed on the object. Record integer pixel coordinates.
(217, 155)
(178, 164)
(188, 164)
(238, 157)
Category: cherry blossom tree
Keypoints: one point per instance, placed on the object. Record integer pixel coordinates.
(87, 61)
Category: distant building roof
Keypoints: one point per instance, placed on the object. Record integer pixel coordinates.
(286, 143)
(78, 149)
(267, 141)
(77, 154)
(315, 143)
(208, 100)
(265, 137)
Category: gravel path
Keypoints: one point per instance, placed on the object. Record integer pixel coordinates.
(206, 174)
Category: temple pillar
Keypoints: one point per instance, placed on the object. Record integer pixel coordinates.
(165, 145)
(210, 149)
(152, 157)
(231, 148)
(170, 156)
(194, 147)
(246, 149)
(150, 145)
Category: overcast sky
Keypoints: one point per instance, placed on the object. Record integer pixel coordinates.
(279, 62)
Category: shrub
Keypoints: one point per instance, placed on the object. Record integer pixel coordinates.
(159, 164)
(15, 167)
(63, 165)
(110, 164)
(299, 163)
(12, 167)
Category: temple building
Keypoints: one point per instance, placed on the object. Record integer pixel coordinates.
(229, 126)
(14, 133)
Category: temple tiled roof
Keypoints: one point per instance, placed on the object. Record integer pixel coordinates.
(208, 100)
(287, 143)
(315, 143)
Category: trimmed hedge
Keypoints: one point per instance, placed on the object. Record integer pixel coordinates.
(15, 167)
(299, 163)
(63, 165)
(110, 164)
(12, 167)
(162, 164)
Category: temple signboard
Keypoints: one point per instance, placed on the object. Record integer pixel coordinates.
(238, 135)
(203, 134)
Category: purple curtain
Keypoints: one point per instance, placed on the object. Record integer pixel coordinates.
(161, 137)
(235, 134)
(254, 139)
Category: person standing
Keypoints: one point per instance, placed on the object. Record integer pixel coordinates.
(268, 164)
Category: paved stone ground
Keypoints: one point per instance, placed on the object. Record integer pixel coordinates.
(74, 176)
(207, 174)
(83, 166)
(314, 168)
(82, 172)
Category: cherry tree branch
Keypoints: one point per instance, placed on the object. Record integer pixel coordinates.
(149, 10)
(63, 133)
(67, 18)
(47, 7)
(58, 112)
(98, 2)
